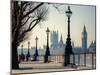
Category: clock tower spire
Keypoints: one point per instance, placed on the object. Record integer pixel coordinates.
(84, 39)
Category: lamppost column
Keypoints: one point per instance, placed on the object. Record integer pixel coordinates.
(68, 26)
(47, 53)
(28, 54)
(36, 43)
(68, 48)
(36, 51)
(22, 50)
(47, 39)
(28, 48)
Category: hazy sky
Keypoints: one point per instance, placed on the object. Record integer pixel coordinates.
(57, 20)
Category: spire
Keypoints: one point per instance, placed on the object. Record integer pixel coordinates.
(84, 29)
(61, 40)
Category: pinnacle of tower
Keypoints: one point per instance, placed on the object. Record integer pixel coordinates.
(84, 29)
(91, 45)
(61, 40)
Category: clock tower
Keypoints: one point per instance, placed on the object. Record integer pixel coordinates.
(84, 39)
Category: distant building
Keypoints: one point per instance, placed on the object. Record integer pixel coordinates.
(56, 47)
(61, 43)
(84, 39)
(92, 47)
(78, 50)
(54, 39)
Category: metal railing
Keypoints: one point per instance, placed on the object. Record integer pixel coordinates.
(79, 59)
(84, 59)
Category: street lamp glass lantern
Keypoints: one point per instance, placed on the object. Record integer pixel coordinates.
(47, 30)
(36, 38)
(68, 12)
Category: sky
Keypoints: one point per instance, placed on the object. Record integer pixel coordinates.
(57, 21)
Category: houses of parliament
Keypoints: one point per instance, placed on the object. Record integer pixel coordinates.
(60, 45)
(57, 46)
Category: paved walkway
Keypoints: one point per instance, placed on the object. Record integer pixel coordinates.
(40, 67)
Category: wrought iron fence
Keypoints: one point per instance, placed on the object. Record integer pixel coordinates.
(79, 59)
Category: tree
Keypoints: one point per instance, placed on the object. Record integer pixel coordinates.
(25, 16)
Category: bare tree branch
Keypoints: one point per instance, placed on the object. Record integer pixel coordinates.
(32, 10)
(30, 28)
(23, 22)
(26, 21)
(30, 25)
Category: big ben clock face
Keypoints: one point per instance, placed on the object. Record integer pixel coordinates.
(84, 35)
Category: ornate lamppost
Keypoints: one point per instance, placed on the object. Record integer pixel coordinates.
(36, 51)
(28, 54)
(47, 53)
(68, 48)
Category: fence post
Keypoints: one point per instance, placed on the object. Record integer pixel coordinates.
(92, 60)
(95, 60)
(84, 59)
(56, 58)
(79, 59)
(73, 58)
(62, 58)
(59, 59)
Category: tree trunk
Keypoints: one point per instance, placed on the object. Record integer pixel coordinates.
(15, 63)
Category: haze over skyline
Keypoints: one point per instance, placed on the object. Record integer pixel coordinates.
(57, 21)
